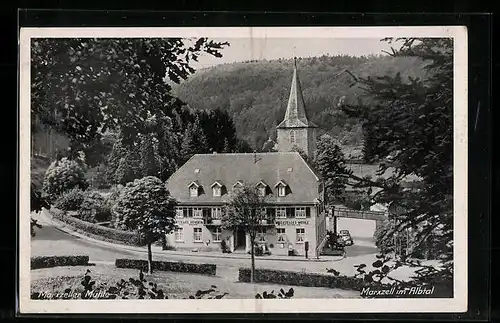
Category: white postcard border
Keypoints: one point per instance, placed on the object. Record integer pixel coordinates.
(424, 305)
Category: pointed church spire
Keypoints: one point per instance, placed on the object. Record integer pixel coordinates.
(295, 115)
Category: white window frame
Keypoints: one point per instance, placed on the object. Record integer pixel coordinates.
(300, 237)
(281, 213)
(217, 191)
(217, 235)
(197, 213)
(216, 213)
(179, 234)
(300, 212)
(281, 235)
(281, 190)
(179, 212)
(193, 191)
(195, 234)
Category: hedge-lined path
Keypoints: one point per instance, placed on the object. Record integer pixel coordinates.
(71, 243)
(176, 285)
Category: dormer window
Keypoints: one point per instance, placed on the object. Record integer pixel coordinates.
(237, 185)
(217, 188)
(194, 188)
(282, 188)
(262, 188)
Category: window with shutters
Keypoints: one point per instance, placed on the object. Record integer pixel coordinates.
(300, 212)
(197, 212)
(281, 213)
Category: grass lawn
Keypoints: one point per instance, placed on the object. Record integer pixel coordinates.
(175, 285)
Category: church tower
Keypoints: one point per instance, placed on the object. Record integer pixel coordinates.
(296, 129)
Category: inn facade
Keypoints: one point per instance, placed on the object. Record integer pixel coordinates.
(293, 191)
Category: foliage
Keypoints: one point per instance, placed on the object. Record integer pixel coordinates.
(204, 269)
(145, 205)
(410, 127)
(256, 92)
(329, 161)
(303, 279)
(83, 87)
(39, 166)
(246, 211)
(34, 224)
(441, 279)
(58, 261)
(333, 241)
(281, 294)
(98, 232)
(133, 288)
(94, 208)
(70, 200)
(384, 244)
(224, 247)
(61, 176)
(194, 141)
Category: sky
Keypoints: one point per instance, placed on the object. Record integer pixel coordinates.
(243, 49)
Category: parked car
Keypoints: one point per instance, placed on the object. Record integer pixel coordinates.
(346, 238)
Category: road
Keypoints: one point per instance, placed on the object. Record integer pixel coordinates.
(50, 241)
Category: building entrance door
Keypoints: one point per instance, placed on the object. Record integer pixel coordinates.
(240, 239)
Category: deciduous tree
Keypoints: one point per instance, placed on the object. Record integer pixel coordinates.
(145, 205)
(246, 211)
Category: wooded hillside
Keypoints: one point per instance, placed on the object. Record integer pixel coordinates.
(255, 93)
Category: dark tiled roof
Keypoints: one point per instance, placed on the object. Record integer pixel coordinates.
(249, 168)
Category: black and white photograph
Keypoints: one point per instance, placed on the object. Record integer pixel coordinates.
(243, 170)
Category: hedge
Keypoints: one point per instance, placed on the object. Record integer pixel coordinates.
(301, 279)
(57, 261)
(96, 231)
(204, 269)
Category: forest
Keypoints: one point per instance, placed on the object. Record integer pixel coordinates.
(255, 93)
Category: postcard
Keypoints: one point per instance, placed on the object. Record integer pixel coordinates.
(243, 170)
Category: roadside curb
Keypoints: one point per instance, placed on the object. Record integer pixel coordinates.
(46, 217)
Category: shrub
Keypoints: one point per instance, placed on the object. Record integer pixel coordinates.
(132, 288)
(94, 208)
(70, 200)
(302, 279)
(57, 261)
(61, 176)
(204, 269)
(97, 231)
(383, 237)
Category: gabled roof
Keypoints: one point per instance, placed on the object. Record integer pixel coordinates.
(195, 183)
(246, 168)
(219, 183)
(261, 183)
(295, 115)
(281, 182)
(238, 182)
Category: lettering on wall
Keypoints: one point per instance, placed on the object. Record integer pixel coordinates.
(291, 222)
(190, 222)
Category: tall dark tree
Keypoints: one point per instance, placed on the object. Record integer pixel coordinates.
(410, 128)
(330, 163)
(84, 86)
